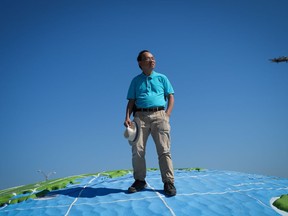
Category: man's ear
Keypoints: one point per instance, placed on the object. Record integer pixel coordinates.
(139, 64)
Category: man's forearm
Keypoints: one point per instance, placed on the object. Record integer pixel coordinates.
(170, 104)
(129, 110)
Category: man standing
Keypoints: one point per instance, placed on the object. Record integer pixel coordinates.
(147, 97)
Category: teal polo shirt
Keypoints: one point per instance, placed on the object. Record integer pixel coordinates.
(150, 91)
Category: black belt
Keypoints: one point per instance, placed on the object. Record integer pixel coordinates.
(152, 109)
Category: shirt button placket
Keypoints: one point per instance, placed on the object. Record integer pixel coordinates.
(148, 84)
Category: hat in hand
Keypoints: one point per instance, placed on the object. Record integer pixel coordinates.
(132, 132)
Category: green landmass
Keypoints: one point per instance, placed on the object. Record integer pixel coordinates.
(282, 203)
(32, 191)
(41, 189)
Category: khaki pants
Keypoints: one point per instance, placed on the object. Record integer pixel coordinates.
(157, 124)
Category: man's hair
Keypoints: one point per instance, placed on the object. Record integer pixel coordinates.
(139, 58)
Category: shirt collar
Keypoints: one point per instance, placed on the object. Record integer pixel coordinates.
(153, 74)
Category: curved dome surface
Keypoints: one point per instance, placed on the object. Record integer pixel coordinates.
(207, 192)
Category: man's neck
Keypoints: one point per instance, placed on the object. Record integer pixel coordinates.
(148, 72)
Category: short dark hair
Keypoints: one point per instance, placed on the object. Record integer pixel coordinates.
(139, 58)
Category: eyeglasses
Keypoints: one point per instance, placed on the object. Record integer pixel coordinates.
(149, 60)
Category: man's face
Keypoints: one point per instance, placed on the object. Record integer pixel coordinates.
(147, 62)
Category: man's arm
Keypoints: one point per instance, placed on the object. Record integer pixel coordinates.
(129, 110)
(170, 105)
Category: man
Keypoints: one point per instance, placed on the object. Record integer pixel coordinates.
(147, 97)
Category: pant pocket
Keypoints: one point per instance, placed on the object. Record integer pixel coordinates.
(164, 124)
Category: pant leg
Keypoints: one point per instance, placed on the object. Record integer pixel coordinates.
(139, 149)
(160, 130)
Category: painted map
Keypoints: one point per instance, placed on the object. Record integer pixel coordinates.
(199, 192)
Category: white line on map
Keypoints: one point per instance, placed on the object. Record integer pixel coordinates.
(245, 184)
(259, 201)
(161, 197)
(230, 191)
(68, 211)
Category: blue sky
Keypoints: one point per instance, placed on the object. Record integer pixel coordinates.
(65, 68)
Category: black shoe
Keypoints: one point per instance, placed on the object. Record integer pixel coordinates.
(137, 186)
(169, 189)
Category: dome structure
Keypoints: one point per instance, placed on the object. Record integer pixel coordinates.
(199, 192)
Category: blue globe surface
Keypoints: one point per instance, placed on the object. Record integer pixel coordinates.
(207, 192)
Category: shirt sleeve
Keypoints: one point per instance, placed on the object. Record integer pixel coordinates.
(131, 91)
(168, 89)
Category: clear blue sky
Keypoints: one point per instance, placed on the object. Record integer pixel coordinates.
(65, 68)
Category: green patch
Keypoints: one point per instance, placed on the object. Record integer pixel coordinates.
(41, 189)
(115, 174)
(282, 203)
(191, 169)
(5, 199)
(32, 191)
(22, 198)
(152, 169)
(42, 193)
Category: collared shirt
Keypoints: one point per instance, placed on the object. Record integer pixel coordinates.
(150, 91)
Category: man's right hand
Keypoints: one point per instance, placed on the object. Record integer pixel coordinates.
(127, 123)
